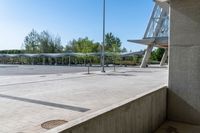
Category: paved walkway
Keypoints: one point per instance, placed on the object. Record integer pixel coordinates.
(28, 101)
(44, 69)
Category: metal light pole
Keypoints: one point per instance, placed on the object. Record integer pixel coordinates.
(103, 45)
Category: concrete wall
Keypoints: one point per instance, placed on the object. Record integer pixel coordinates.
(142, 114)
(184, 62)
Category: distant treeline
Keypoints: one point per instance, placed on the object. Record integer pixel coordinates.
(14, 51)
(44, 42)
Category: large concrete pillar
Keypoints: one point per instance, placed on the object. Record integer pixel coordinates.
(146, 56)
(164, 58)
(184, 62)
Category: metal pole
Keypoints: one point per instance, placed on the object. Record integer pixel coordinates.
(88, 67)
(103, 50)
(114, 59)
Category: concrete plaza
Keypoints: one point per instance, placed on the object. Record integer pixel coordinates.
(28, 100)
(43, 69)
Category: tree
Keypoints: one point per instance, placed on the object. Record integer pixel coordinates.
(43, 43)
(112, 43)
(82, 45)
(48, 44)
(157, 54)
(14, 51)
(31, 42)
(58, 48)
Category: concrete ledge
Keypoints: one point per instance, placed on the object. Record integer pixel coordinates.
(141, 114)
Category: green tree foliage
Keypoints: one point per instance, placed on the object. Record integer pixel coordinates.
(48, 44)
(42, 43)
(82, 45)
(112, 43)
(31, 42)
(15, 51)
(157, 54)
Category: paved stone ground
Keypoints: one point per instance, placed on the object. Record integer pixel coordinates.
(27, 101)
(44, 69)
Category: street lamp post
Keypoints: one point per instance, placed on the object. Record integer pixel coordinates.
(103, 45)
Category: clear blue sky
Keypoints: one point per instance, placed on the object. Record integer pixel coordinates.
(72, 19)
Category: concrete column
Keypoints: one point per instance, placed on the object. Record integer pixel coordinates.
(164, 58)
(184, 62)
(146, 56)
